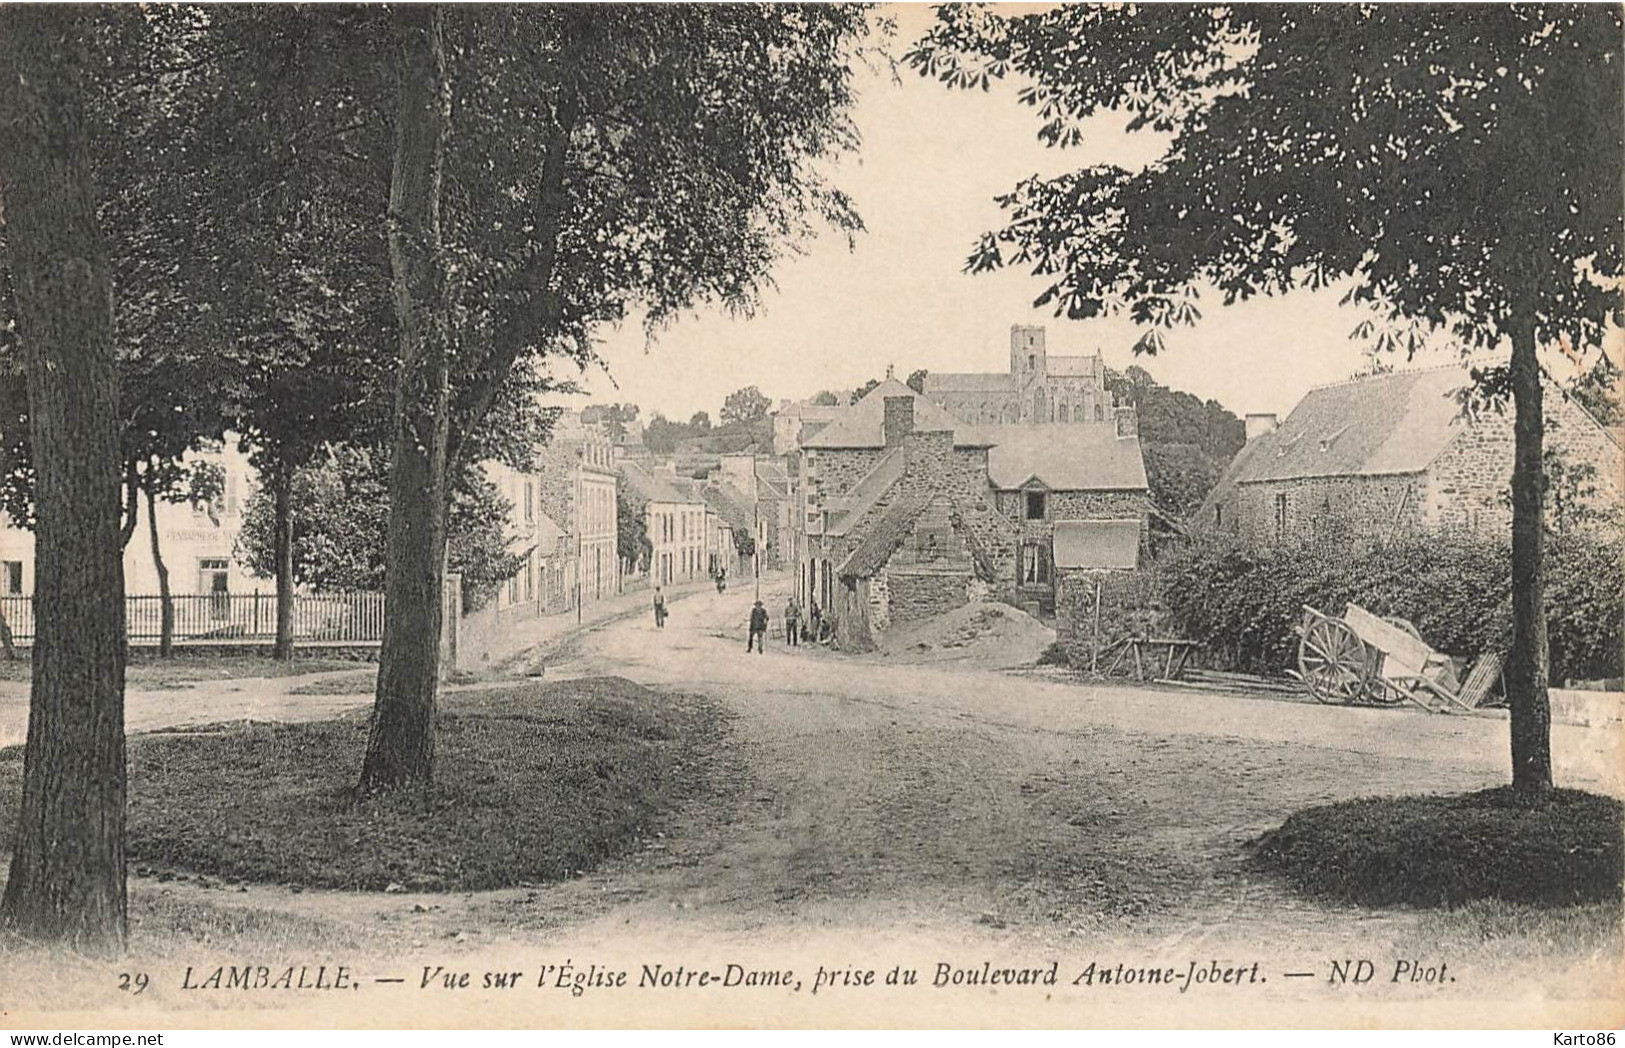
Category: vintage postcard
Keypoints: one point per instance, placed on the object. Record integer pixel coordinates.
(732, 515)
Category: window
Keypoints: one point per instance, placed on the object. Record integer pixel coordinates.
(530, 575)
(530, 501)
(1280, 515)
(1034, 565)
(1035, 505)
(11, 578)
(214, 581)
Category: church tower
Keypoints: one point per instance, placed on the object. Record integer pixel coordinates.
(1027, 353)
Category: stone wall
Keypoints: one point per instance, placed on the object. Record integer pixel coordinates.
(1367, 505)
(833, 471)
(917, 593)
(1470, 482)
(879, 603)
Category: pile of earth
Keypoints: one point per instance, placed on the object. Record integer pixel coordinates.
(991, 634)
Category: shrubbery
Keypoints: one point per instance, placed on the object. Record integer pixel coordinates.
(1242, 603)
(1557, 848)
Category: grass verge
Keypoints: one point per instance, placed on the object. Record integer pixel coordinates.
(183, 670)
(1563, 848)
(533, 784)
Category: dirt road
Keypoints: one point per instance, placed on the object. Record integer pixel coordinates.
(881, 815)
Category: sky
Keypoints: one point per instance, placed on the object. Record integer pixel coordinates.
(924, 180)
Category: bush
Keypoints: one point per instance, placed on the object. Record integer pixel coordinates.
(1243, 603)
(1554, 849)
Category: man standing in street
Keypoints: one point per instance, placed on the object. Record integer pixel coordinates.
(758, 628)
(660, 609)
(792, 622)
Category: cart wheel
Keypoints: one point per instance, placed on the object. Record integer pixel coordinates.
(1334, 663)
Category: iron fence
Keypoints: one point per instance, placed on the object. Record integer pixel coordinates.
(337, 618)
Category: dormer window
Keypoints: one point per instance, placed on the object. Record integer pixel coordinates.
(1035, 505)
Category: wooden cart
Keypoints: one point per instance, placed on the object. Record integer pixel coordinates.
(1366, 659)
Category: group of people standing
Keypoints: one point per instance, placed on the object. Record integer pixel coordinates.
(795, 628)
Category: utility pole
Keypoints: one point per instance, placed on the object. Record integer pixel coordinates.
(580, 522)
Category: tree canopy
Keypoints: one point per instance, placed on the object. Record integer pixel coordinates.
(1453, 161)
(745, 406)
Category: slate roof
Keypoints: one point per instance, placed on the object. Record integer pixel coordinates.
(772, 480)
(968, 382)
(1097, 544)
(1064, 456)
(654, 488)
(732, 505)
(861, 425)
(1387, 424)
(885, 536)
(862, 496)
(1069, 366)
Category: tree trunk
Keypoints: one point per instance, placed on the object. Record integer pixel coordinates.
(67, 865)
(166, 605)
(1526, 663)
(400, 746)
(8, 644)
(281, 481)
(132, 504)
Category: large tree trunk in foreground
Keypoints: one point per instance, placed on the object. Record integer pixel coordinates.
(166, 603)
(67, 866)
(281, 481)
(1526, 663)
(400, 747)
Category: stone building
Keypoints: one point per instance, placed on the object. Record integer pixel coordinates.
(910, 512)
(676, 523)
(1037, 388)
(576, 484)
(1379, 456)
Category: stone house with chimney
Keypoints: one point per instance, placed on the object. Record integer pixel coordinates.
(1379, 456)
(911, 513)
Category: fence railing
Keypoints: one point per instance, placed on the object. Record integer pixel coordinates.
(339, 618)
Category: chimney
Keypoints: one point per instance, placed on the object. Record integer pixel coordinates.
(898, 422)
(1127, 419)
(1258, 425)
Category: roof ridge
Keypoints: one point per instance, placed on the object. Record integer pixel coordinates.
(1396, 373)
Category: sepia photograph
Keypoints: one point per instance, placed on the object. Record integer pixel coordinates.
(766, 516)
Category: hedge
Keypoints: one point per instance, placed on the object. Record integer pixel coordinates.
(1243, 603)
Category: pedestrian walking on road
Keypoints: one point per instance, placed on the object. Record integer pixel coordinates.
(660, 609)
(758, 628)
(792, 622)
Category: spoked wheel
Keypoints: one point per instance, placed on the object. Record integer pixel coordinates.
(1334, 663)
